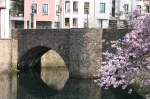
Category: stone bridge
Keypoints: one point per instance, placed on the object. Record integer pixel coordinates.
(79, 48)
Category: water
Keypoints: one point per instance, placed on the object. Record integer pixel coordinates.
(54, 83)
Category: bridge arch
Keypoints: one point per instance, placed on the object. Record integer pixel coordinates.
(30, 62)
(32, 57)
(79, 48)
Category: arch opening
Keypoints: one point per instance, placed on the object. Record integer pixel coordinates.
(48, 64)
(31, 57)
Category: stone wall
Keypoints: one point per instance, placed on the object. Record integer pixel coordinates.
(85, 52)
(8, 53)
(79, 48)
(14, 53)
(5, 54)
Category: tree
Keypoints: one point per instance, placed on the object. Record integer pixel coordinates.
(130, 63)
(19, 6)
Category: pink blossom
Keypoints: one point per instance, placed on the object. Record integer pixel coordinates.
(136, 13)
(130, 60)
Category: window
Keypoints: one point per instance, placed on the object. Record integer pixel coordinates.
(75, 6)
(67, 6)
(126, 7)
(75, 22)
(86, 8)
(102, 7)
(45, 9)
(67, 22)
(34, 8)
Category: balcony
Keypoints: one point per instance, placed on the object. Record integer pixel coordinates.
(16, 16)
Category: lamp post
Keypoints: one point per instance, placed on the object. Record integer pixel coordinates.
(32, 23)
(87, 19)
(86, 12)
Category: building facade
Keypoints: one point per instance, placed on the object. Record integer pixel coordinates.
(122, 12)
(16, 16)
(44, 14)
(41, 14)
(4, 19)
(95, 13)
(103, 13)
(85, 13)
(143, 6)
(75, 13)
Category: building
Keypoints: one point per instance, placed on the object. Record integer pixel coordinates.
(45, 14)
(80, 13)
(143, 6)
(122, 12)
(4, 19)
(41, 14)
(103, 13)
(75, 13)
(117, 13)
(85, 13)
(16, 16)
(95, 13)
(9, 19)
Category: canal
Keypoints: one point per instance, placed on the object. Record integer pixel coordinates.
(54, 83)
(51, 80)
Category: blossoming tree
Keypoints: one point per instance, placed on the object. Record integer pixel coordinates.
(130, 63)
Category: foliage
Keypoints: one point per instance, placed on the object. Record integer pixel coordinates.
(19, 5)
(130, 63)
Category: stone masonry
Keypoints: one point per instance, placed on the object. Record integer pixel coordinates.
(79, 48)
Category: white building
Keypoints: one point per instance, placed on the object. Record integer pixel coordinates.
(143, 6)
(117, 12)
(4, 19)
(85, 13)
(102, 13)
(124, 11)
(76, 12)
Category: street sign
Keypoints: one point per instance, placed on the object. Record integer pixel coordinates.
(2, 4)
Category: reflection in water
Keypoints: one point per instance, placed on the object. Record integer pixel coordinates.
(28, 85)
(55, 77)
(8, 85)
(116, 93)
(29, 82)
(32, 87)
